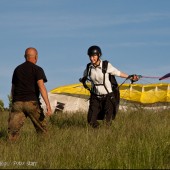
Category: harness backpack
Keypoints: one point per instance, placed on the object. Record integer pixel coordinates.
(114, 84)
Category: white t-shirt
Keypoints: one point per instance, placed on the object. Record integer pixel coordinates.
(96, 76)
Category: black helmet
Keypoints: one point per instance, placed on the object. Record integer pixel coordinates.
(94, 50)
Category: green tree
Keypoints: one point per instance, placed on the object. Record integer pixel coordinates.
(10, 101)
(1, 105)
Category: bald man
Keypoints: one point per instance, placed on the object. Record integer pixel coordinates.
(27, 84)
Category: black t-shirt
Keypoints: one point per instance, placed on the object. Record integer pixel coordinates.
(25, 79)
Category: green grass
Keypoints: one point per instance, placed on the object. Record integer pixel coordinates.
(136, 140)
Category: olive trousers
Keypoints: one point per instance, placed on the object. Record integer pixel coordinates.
(19, 112)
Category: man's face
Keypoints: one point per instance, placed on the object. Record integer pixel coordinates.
(94, 58)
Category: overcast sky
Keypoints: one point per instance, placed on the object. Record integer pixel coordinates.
(134, 36)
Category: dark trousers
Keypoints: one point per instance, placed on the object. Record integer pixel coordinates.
(101, 108)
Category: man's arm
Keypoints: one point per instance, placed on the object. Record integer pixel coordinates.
(123, 75)
(44, 95)
(132, 77)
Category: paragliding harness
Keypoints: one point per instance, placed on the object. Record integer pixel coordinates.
(114, 84)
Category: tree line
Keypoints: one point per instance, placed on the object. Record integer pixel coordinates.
(2, 107)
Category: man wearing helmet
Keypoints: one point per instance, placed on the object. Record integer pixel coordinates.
(102, 98)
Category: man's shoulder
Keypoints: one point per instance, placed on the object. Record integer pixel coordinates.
(34, 65)
(20, 66)
(38, 67)
(29, 65)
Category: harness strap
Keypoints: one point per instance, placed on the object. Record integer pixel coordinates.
(104, 68)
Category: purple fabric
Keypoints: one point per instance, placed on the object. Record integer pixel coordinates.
(165, 76)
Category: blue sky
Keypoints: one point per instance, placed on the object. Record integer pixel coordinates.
(134, 36)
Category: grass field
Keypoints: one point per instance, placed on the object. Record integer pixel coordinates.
(136, 140)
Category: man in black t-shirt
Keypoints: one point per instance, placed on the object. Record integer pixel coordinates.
(27, 84)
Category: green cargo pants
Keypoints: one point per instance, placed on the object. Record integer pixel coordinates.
(19, 112)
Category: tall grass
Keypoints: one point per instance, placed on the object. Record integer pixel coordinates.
(136, 140)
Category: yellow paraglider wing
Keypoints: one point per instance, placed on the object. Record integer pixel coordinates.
(142, 93)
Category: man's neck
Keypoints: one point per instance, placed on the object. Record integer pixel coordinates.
(97, 63)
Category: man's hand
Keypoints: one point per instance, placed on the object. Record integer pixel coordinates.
(82, 80)
(49, 111)
(133, 78)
